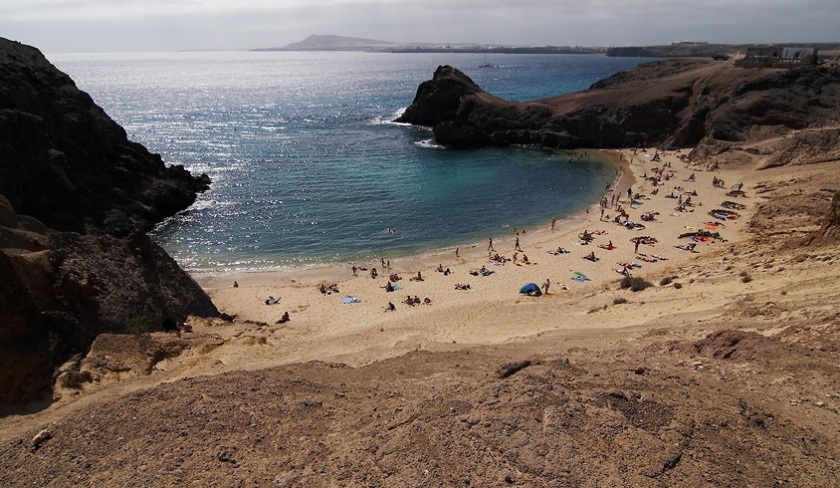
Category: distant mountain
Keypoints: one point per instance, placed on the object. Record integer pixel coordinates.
(333, 43)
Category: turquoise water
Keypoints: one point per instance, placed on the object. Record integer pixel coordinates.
(307, 168)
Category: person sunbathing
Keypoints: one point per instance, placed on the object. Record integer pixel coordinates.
(591, 257)
(608, 247)
(622, 271)
(687, 247)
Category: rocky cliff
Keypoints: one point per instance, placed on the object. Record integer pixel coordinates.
(66, 163)
(76, 197)
(673, 103)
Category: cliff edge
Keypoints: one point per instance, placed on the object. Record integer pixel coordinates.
(66, 163)
(76, 197)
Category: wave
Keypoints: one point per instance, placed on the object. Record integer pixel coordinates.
(429, 144)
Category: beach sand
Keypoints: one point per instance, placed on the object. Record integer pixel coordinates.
(492, 311)
(724, 376)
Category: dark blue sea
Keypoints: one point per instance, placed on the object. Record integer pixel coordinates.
(308, 168)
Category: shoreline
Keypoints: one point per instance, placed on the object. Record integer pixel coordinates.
(492, 311)
(333, 273)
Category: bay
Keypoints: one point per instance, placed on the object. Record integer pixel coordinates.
(309, 170)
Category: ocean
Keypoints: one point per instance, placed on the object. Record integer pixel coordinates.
(308, 168)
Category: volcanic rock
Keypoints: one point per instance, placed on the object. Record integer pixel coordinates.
(66, 163)
(76, 197)
(675, 103)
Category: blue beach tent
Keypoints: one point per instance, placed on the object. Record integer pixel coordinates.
(531, 289)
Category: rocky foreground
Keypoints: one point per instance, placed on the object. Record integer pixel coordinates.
(76, 197)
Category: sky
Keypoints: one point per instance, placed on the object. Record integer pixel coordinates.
(173, 25)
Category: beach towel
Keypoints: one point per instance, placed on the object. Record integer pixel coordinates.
(580, 277)
(351, 300)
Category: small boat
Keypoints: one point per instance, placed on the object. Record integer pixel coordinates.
(486, 64)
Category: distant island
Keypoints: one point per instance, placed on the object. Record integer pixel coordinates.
(683, 49)
(343, 43)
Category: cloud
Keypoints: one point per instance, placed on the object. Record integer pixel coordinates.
(97, 25)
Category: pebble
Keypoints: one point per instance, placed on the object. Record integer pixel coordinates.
(39, 439)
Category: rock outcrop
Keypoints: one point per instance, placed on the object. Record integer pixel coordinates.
(66, 163)
(76, 197)
(674, 103)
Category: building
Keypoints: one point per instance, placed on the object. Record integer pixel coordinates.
(778, 57)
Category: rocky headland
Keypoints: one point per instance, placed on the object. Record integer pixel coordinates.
(714, 107)
(76, 198)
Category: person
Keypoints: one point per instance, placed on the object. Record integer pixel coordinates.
(285, 318)
(419, 277)
(391, 307)
(490, 245)
(457, 252)
(388, 287)
(416, 300)
(515, 257)
(427, 301)
(553, 221)
(373, 273)
(546, 286)
(516, 245)
(355, 269)
(525, 258)
(447, 272)
(323, 289)
(235, 284)
(591, 256)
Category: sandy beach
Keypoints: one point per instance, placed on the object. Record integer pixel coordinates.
(491, 311)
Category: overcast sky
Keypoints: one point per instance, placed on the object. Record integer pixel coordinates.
(154, 25)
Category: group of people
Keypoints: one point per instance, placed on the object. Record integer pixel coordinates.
(328, 290)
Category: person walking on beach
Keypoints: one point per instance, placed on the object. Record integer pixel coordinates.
(457, 251)
(553, 221)
(546, 286)
(516, 245)
(490, 245)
